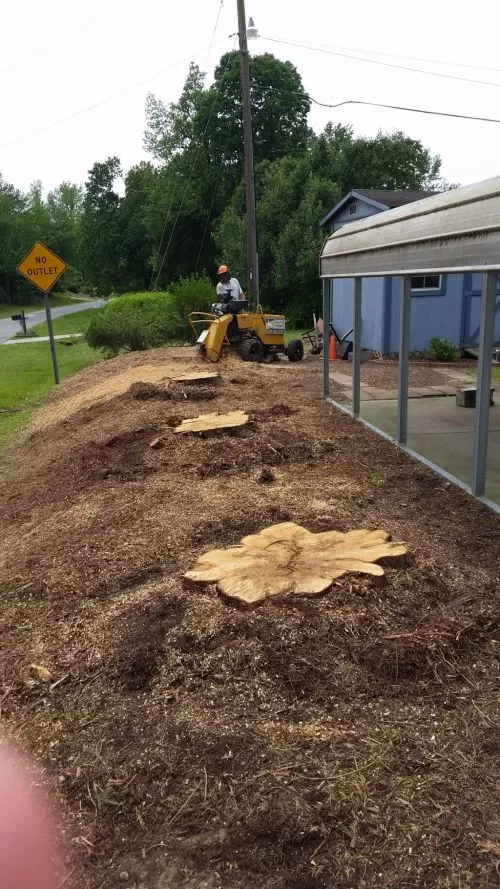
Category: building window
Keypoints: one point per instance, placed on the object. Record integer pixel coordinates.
(426, 282)
(352, 209)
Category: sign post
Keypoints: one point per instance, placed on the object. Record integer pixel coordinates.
(43, 268)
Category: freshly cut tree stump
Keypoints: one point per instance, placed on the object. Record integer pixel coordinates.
(195, 377)
(288, 560)
(206, 422)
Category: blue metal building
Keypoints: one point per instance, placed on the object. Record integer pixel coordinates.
(444, 306)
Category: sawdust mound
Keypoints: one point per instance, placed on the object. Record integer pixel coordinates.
(61, 408)
(347, 740)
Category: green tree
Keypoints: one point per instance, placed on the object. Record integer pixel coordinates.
(64, 208)
(13, 240)
(170, 128)
(280, 107)
(27, 218)
(294, 192)
(100, 235)
(388, 160)
(199, 139)
(37, 223)
(135, 242)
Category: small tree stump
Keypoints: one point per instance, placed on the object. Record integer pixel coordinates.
(467, 397)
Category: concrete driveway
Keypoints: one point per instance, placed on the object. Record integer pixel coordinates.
(9, 328)
(443, 432)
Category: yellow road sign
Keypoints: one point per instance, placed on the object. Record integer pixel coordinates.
(42, 267)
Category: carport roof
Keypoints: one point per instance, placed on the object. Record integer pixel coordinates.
(455, 231)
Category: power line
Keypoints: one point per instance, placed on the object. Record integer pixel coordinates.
(382, 64)
(305, 95)
(25, 60)
(174, 226)
(167, 217)
(117, 95)
(312, 45)
(221, 4)
(405, 108)
(219, 171)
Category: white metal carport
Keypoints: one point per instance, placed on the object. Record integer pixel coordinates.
(457, 231)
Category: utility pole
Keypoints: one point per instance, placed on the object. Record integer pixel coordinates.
(252, 270)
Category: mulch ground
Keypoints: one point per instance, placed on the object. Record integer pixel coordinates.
(346, 740)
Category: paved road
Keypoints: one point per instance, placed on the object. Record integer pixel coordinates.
(9, 328)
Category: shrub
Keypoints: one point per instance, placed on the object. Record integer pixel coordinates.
(442, 350)
(132, 323)
(139, 321)
(189, 295)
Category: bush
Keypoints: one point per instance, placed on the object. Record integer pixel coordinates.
(188, 295)
(139, 321)
(442, 350)
(132, 323)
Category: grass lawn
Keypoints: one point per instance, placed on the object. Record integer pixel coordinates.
(59, 299)
(75, 323)
(293, 334)
(27, 377)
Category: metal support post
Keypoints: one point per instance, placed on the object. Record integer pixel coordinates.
(51, 337)
(481, 422)
(326, 336)
(251, 219)
(404, 362)
(356, 357)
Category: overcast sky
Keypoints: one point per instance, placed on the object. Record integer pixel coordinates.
(58, 58)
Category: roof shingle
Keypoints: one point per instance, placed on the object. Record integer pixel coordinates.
(394, 198)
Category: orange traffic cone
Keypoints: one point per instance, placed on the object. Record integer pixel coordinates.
(332, 349)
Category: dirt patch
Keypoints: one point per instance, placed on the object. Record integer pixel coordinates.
(172, 392)
(274, 412)
(347, 740)
(142, 630)
(383, 374)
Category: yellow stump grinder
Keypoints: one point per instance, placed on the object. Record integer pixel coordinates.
(256, 336)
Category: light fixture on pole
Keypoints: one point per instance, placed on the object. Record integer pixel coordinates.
(252, 32)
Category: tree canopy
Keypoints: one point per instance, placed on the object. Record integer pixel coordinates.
(184, 212)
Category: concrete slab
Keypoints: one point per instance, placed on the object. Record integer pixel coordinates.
(446, 390)
(443, 432)
(458, 375)
(41, 339)
(421, 392)
(383, 394)
(342, 379)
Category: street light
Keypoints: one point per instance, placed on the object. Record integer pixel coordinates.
(252, 32)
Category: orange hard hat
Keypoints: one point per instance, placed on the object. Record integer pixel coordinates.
(222, 270)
